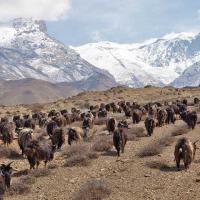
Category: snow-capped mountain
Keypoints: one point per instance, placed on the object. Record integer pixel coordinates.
(156, 62)
(27, 51)
(190, 77)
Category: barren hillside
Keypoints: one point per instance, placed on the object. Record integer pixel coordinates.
(129, 177)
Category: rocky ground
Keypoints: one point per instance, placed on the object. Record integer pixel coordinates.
(128, 177)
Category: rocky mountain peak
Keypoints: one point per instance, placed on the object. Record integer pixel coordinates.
(29, 25)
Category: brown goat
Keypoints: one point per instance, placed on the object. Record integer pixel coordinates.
(120, 137)
(7, 132)
(111, 124)
(75, 134)
(161, 117)
(136, 116)
(185, 150)
(58, 137)
(24, 138)
(37, 152)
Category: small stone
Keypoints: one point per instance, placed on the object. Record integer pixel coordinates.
(72, 181)
(198, 180)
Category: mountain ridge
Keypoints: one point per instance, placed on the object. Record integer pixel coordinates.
(27, 51)
(156, 61)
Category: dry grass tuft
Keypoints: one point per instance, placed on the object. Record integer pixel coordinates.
(52, 166)
(166, 140)
(102, 143)
(156, 147)
(19, 188)
(9, 152)
(40, 172)
(93, 190)
(151, 149)
(75, 149)
(28, 180)
(20, 173)
(137, 131)
(180, 131)
(77, 160)
(158, 164)
(132, 137)
(79, 155)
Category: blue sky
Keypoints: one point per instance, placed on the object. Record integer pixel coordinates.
(76, 22)
(125, 21)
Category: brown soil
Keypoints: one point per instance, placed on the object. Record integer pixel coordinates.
(129, 177)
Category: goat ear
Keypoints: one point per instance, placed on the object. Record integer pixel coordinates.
(10, 163)
(195, 142)
(9, 167)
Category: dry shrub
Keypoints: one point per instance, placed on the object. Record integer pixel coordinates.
(20, 173)
(52, 166)
(156, 147)
(132, 137)
(102, 143)
(28, 180)
(79, 155)
(158, 164)
(77, 160)
(137, 132)
(40, 172)
(151, 149)
(93, 190)
(75, 149)
(166, 140)
(100, 121)
(92, 155)
(19, 188)
(9, 152)
(180, 131)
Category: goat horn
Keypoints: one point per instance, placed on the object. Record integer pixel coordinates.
(15, 170)
(10, 163)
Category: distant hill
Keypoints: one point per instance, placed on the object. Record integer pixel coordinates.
(29, 91)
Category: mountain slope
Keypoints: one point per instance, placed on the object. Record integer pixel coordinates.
(155, 62)
(28, 91)
(27, 51)
(190, 77)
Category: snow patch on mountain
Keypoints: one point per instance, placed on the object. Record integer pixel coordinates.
(155, 61)
(190, 77)
(27, 51)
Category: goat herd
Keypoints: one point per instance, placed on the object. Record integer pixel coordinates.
(37, 149)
